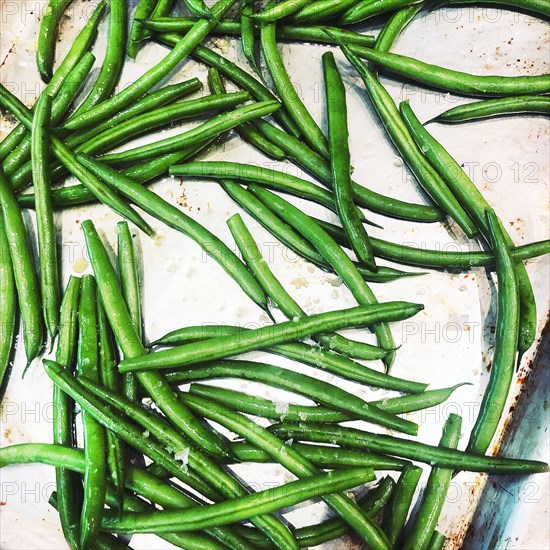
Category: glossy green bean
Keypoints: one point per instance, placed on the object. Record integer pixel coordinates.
(95, 437)
(47, 37)
(282, 299)
(396, 25)
(131, 346)
(175, 218)
(437, 541)
(321, 392)
(455, 81)
(539, 7)
(129, 284)
(23, 270)
(506, 342)
(365, 9)
(218, 348)
(310, 355)
(321, 10)
(8, 299)
(290, 412)
(63, 420)
(340, 162)
(154, 75)
(487, 108)
(400, 504)
(334, 255)
(426, 176)
(197, 461)
(406, 448)
(300, 153)
(47, 241)
(475, 204)
(209, 129)
(435, 493)
(144, 9)
(284, 32)
(288, 94)
(80, 46)
(113, 62)
(259, 175)
(287, 456)
(248, 37)
(280, 10)
(240, 508)
(323, 456)
(293, 240)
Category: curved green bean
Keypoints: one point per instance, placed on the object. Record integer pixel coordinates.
(321, 392)
(406, 448)
(455, 81)
(287, 456)
(334, 255)
(365, 9)
(154, 75)
(435, 493)
(506, 342)
(23, 270)
(95, 436)
(280, 10)
(340, 162)
(539, 7)
(321, 10)
(396, 25)
(47, 240)
(487, 108)
(144, 9)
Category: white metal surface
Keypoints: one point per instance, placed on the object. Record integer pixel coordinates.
(450, 342)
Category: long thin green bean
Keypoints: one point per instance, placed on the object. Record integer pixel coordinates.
(396, 25)
(365, 9)
(144, 9)
(321, 10)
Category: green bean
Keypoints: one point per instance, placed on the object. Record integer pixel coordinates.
(218, 348)
(209, 129)
(300, 153)
(138, 480)
(113, 62)
(80, 46)
(240, 508)
(63, 420)
(401, 500)
(286, 234)
(95, 437)
(154, 75)
(110, 378)
(23, 271)
(365, 9)
(290, 412)
(321, 455)
(405, 448)
(435, 492)
(8, 299)
(246, 131)
(487, 108)
(506, 342)
(539, 7)
(47, 36)
(318, 358)
(426, 176)
(129, 283)
(47, 243)
(280, 11)
(61, 103)
(475, 204)
(334, 255)
(340, 162)
(322, 392)
(437, 541)
(455, 81)
(258, 174)
(248, 38)
(175, 218)
(396, 25)
(276, 292)
(129, 342)
(288, 94)
(173, 440)
(144, 9)
(284, 32)
(321, 10)
(295, 463)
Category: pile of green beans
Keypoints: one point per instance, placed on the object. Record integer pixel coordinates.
(147, 435)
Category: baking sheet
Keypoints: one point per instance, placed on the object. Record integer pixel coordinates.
(450, 342)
